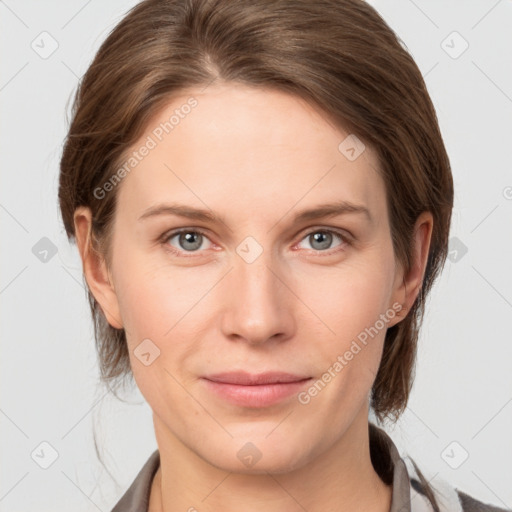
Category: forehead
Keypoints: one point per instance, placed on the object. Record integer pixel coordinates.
(235, 146)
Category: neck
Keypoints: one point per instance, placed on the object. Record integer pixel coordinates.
(342, 478)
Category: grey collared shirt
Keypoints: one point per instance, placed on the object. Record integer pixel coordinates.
(408, 491)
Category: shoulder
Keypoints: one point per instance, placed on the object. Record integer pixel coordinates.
(449, 498)
(420, 488)
(137, 496)
(441, 496)
(470, 504)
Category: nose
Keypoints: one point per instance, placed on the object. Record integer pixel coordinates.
(258, 304)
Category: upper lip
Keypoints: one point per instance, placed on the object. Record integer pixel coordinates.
(248, 379)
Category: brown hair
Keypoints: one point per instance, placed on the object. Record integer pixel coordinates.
(339, 55)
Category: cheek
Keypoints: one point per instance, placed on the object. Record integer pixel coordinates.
(161, 302)
(165, 305)
(349, 298)
(353, 306)
(350, 302)
(153, 295)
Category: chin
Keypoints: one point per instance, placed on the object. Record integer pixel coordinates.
(259, 456)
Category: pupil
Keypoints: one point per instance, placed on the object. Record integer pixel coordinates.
(323, 238)
(189, 238)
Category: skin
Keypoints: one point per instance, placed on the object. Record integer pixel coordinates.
(256, 157)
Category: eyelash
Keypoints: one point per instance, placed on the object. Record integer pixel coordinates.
(328, 252)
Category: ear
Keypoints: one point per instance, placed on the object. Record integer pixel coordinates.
(407, 286)
(95, 268)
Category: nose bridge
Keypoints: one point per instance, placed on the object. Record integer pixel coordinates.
(254, 274)
(257, 305)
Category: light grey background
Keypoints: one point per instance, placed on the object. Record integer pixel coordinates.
(463, 387)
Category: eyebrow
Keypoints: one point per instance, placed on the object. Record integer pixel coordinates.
(321, 211)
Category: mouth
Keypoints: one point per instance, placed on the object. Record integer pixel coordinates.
(255, 390)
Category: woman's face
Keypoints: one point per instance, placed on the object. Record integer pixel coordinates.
(259, 287)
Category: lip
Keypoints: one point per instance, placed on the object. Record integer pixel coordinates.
(255, 390)
(251, 379)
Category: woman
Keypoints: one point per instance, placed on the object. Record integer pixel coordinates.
(294, 146)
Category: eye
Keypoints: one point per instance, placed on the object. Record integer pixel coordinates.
(192, 240)
(187, 240)
(320, 240)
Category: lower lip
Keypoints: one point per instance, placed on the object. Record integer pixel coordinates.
(261, 395)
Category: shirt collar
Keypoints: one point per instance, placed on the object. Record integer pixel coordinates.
(390, 467)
